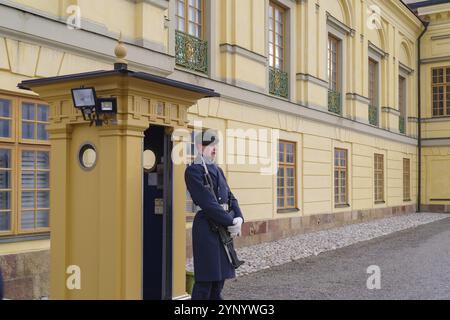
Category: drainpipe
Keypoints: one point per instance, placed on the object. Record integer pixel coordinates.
(419, 121)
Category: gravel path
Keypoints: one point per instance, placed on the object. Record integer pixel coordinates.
(413, 264)
(266, 255)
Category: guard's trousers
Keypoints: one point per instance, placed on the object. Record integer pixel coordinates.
(208, 290)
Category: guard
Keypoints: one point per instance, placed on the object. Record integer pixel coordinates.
(217, 222)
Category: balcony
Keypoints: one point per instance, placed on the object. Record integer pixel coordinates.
(191, 52)
(401, 125)
(334, 102)
(373, 115)
(278, 83)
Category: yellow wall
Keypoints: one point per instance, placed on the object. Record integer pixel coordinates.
(436, 159)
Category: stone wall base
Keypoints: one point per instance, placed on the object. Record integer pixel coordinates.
(26, 275)
(438, 208)
(256, 232)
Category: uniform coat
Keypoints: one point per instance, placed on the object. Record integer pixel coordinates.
(210, 259)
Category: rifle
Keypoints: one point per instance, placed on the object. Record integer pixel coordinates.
(224, 235)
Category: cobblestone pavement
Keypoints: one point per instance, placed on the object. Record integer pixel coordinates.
(413, 253)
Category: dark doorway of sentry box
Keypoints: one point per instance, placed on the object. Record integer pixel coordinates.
(157, 217)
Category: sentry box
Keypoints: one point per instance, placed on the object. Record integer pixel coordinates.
(111, 221)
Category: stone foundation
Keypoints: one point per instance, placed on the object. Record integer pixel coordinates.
(256, 232)
(26, 275)
(438, 208)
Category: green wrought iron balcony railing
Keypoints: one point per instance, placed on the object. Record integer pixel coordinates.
(278, 82)
(401, 125)
(191, 52)
(373, 115)
(334, 102)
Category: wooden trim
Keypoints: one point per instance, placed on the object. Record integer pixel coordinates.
(16, 144)
(402, 95)
(186, 18)
(406, 179)
(339, 169)
(12, 188)
(442, 85)
(274, 6)
(338, 43)
(285, 165)
(374, 92)
(12, 119)
(293, 210)
(19, 191)
(379, 182)
(35, 141)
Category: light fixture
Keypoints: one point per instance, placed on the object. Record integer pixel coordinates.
(96, 110)
(84, 97)
(106, 105)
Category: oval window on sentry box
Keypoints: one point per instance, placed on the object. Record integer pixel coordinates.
(149, 160)
(87, 156)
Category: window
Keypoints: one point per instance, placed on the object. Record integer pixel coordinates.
(441, 91)
(402, 103)
(334, 90)
(278, 78)
(373, 92)
(189, 17)
(5, 190)
(24, 166)
(340, 177)
(286, 178)
(276, 36)
(35, 190)
(406, 180)
(379, 177)
(5, 118)
(191, 51)
(34, 120)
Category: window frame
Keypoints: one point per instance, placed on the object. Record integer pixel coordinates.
(12, 119)
(338, 42)
(273, 6)
(444, 85)
(402, 95)
(375, 180)
(375, 79)
(287, 165)
(339, 170)
(407, 186)
(186, 18)
(12, 190)
(19, 230)
(15, 144)
(20, 120)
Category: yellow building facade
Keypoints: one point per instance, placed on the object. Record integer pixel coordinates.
(331, 87)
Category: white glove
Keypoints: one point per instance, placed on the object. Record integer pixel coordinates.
(235, 229)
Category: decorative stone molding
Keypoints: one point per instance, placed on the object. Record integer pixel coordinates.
(312, 79)
(342, 27)
(379, 52)
(357, 97)
(235, 49)
(390, 110)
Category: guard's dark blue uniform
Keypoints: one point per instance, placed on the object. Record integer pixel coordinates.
(211, 264)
